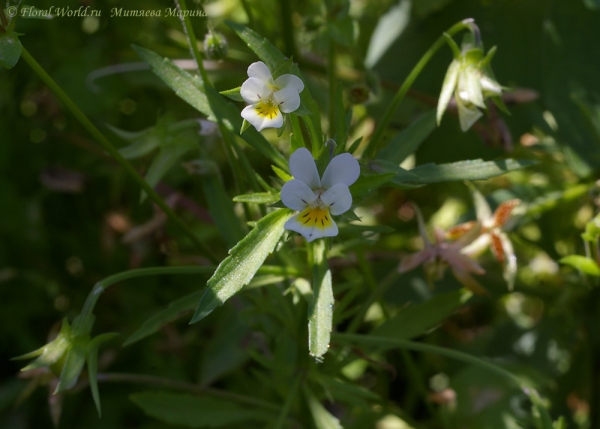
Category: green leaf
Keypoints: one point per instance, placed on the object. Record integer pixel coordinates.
(417, 319)
(367, 184)
(243, 261)
(245, 126)
(592, 4)
(221, 209)
(408, 141)
(342, 31)
(258, 198)
(320, 311)
(341, 132)
(585, 265)
(92, 364)
(388, 29)
(206, 100)
(321, 417)
(476, 169)
(10, 50)
(172, 312)
(194, 411)
(166, 158)
(234, 94)
(281, 174)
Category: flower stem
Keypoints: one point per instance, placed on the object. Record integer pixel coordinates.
(107, 145)
(193, 42)
(88, 307)
(332, 82)
(372, 147)
(288, 28)
(116, 377)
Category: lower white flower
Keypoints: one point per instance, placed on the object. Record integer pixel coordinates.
(268, 98)
(317, 199)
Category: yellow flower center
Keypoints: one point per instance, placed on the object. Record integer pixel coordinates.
(267, 108)
(315, 216)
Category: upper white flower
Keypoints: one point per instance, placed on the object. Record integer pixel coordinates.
(317, 199)
(268, 98)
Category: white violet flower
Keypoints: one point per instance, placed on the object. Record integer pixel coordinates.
(269, 98)
(317, 199)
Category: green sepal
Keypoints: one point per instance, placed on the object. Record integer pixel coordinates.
(233, 93)
(245, 126)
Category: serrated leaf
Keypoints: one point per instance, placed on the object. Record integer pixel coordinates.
(234, 94)
(194, 411)
(320, 311)
(585, 265)
(417, 319)
(408, 141)
(206, 100)
(243, 261)
(10, 50)
(476, 169)
(321, 417)
(258, 198)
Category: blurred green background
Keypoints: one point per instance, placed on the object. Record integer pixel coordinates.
(66, 207)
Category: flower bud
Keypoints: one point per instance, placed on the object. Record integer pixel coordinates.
(215, 46)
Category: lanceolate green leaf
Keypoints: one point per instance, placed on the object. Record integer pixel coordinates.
(320, 312)
(258, 198)
(417, 319)
(244, 260)
(475, 169)
(195, 411)
(409, 140)
(208, 101)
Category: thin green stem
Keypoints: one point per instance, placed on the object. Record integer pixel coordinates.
(297, 135)
(120, 377)
(288, 403)
(90, 302)
(428, 348)
(288, 28)
(372, 147)
(332, 83)
(417, 379)
(193, 42)
(107, 145)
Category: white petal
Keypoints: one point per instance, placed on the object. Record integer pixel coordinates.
(342, 169)
(287, 99)
(261, 72)
(254, 90)
(303, 167)
(261, 122)
(296, 195)
(312, 232)
(337, 198)
(467, 115)
(289, 81)
(469, 87)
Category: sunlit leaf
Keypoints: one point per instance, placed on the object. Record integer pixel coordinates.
(243, 261)
(583, 264)
(320, 311)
